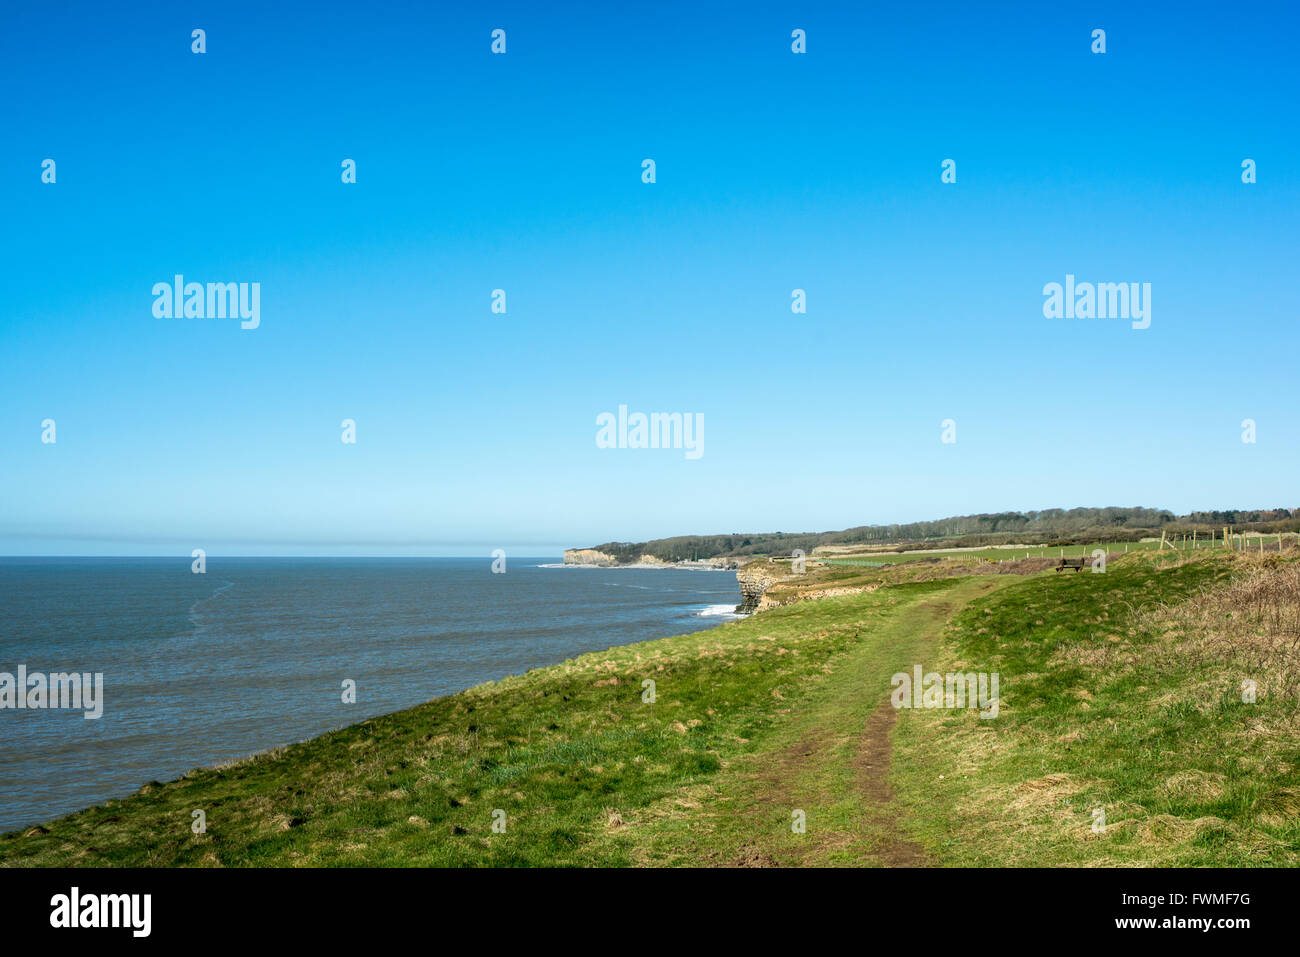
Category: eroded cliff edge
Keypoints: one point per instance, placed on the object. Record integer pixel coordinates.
(595, 557)
(588, 556)
(755, 578)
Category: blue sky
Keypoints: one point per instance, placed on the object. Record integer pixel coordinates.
(775, 171)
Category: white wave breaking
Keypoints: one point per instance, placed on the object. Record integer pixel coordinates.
(719, 611)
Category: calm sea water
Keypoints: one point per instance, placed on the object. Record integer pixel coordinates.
(203, 669)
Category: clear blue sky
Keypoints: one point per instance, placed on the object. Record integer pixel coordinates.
(523, 172)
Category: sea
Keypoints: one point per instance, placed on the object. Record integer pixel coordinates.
(202, 669)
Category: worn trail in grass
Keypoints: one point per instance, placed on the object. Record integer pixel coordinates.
(1120, 693)
(1124, 736)
(579, 763)
(690, 749)
(830, 760)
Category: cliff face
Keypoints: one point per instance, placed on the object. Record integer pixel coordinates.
(587, 556)
(594, 556)
(755, 578)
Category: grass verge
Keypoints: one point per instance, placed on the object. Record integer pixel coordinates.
(1122, 695)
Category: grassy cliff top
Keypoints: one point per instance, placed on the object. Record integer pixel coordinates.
(1049, 526)
(1121, 691)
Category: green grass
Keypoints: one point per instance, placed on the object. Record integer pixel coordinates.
(812, 759)
(560, 750)
(1109, 699)
(1105, 706)
(1025, 551)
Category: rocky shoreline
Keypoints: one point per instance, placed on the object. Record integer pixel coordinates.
(752, 586)
(593, 558)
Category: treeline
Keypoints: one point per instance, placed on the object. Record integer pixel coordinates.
(1240, 516)
(1054, 526)
(693, 547)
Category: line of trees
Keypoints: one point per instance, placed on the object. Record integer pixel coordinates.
(1053, 526)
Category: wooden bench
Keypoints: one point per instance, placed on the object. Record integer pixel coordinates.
(1078, 564)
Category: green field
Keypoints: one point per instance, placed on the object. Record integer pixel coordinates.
(1119, 691)
(877, 559)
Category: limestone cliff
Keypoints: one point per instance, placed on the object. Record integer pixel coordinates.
(755, 578)
(587, 556)
(594, 556)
